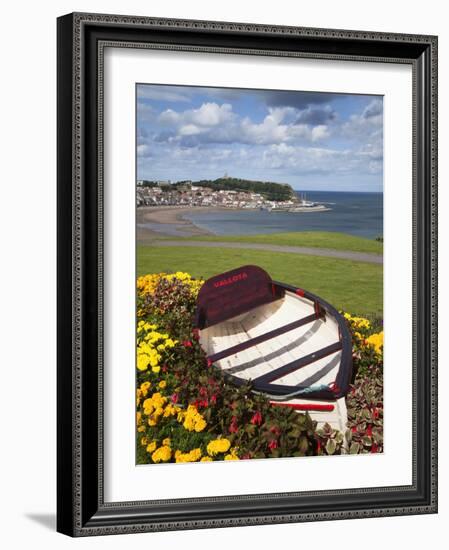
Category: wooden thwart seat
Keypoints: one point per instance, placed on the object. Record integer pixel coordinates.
(263, 337)
(297, 364)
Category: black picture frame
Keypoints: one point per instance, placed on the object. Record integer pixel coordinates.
(81, 509)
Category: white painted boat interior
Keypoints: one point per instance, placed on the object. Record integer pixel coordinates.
(276, 352)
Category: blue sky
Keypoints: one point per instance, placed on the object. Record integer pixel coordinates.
(311, 140)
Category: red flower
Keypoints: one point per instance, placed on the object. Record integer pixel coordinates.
(256, 419)
(273, 444)
(203, 391)
(195, 333)
(374, 448)
(354, 429)
(187, 344)
(213, 399)
(204, 403)
(375, 413)
(174, 398)
(164, 368)
(275, 430)
(209, 362)
(369, 430)
(233, 427)
(318, 446)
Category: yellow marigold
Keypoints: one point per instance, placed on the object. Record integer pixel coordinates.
(146, 284)
(144, 387)
(143, 361)
(144, 441)
(151, 446)
(376, 341)
(138, 417)
(148, 406)
(192, 456)
(156, 369)
(232, 455)
(206, 459)
(163, 454)
(170, 410)
(200, 424)
(162, 384)
(192, 420)
(167, 441)
(218, 446)
(158, 399)
(141, 429)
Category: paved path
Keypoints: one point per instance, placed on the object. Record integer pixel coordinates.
(328, 253)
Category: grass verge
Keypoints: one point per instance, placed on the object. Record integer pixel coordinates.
(351, 286)
(313, 239)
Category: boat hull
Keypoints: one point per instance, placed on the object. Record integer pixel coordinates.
(319, 385)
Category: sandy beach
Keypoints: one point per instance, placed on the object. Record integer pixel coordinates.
(168, 221)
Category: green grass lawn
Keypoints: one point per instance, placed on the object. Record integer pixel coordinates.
(314, 239)
(355, 287)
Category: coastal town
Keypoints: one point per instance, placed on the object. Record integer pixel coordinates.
(187, 194)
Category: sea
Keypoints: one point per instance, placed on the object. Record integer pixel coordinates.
(359, 214)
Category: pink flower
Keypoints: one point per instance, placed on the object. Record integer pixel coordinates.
(213, 399)
(273, 444)
(174, 398)
(233, 427)
(209, 362)
(256, 419)
(187, 344)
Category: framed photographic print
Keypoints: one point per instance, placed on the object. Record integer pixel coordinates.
(247, 282)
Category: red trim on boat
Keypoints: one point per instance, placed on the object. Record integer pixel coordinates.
(299, 292)
(304, 406)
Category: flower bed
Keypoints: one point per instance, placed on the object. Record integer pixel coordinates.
(187, 412)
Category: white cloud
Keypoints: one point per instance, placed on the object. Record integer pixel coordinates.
(219, 124)
(143, 150)
(208, 115)
(369, 122)
(211, 114)
(189, 130)
(320, 132)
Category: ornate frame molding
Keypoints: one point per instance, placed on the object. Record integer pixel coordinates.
(81, 42)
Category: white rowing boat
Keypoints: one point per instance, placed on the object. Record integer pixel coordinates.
(293, 346)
